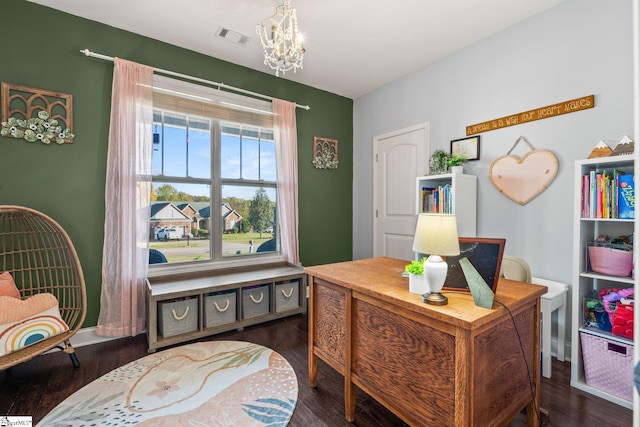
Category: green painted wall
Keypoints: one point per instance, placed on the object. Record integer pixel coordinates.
(42, 50)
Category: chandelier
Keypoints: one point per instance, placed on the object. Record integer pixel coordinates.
(282, 46)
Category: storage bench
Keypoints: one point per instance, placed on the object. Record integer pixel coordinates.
(185, 307)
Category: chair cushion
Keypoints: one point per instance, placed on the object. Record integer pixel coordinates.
(28, 321)
(8, 286)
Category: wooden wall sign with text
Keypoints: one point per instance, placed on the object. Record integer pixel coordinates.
(531, 115)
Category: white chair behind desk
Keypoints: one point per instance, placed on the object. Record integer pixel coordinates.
(515, 268)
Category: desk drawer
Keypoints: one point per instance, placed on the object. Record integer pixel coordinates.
(287, 296)
(219, 308)
(255, 301)
(177, 317)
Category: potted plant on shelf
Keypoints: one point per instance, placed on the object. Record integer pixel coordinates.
(455, 162)
(417, 281)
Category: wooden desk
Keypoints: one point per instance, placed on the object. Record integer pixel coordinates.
(451, 365)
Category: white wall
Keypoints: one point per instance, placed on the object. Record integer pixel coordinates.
(578, 48)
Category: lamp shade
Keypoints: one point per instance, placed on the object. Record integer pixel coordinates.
(436, 235)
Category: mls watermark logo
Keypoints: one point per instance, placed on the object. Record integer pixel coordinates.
(16, 421)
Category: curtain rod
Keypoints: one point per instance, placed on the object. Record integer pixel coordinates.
(87, 52)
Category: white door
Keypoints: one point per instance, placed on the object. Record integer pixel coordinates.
(399, 158)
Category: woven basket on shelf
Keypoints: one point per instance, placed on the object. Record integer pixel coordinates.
(608, 365)
(610, 261)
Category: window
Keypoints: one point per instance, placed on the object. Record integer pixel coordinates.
(213, 176)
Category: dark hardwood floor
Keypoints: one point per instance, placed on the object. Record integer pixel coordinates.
(35, 387)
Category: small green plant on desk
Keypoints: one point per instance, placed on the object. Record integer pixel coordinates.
(417, 279)
(416, 267)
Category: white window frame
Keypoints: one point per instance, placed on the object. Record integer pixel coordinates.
(229, 101)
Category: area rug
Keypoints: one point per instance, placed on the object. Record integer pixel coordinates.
(206, 384)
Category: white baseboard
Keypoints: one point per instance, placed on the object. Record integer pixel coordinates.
(88, 336)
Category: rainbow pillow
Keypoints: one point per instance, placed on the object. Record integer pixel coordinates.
(25, 322)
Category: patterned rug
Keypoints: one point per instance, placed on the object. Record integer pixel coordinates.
(206, 384)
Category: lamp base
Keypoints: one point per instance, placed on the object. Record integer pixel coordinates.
(435, 298)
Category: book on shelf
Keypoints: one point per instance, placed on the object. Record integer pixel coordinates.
(599, 195)
(626, 197)
(436, 199)
(592, 194)
(585, 197)
(602, 195)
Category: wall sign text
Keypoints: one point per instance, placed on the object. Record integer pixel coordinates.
(531, 115)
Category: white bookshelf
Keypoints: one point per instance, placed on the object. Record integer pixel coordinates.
(464, 198)
(586, 282)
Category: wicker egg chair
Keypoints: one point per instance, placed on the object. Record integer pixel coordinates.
(41, 258)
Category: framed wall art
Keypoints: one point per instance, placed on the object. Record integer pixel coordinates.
(467, 147)
(36, 114)
(325, 153)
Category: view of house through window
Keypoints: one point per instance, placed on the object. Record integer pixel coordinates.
(214, 189)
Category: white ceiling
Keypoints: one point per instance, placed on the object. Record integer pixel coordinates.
(352, 46)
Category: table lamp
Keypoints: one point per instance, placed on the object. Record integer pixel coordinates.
(437, 236)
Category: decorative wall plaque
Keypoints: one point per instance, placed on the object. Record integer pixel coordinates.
(36, 114)
(523, 178)
(566, 107)
(325, 153)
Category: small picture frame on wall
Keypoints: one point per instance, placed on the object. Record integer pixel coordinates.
(467, 147)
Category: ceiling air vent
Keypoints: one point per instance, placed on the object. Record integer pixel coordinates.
(232, 36)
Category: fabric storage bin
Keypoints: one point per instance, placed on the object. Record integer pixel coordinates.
(608, 365)
(287, 296)
(219, 308)
(177, 316)
(255, 301)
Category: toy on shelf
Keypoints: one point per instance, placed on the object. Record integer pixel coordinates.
(619, 304)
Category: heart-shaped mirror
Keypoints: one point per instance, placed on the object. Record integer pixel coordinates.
(522, 179)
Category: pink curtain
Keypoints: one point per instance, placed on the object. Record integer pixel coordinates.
(286, 138)
(127, 202)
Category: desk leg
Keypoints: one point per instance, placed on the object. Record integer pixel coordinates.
(533, 407)
(349, 387)
(313, 369)
(546, 339)
(532, 415)
(349, 401)
(313, 359)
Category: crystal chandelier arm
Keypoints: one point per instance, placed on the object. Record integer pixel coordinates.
(284, 50)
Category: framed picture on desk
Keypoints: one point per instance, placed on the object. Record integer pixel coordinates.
(485, 254)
